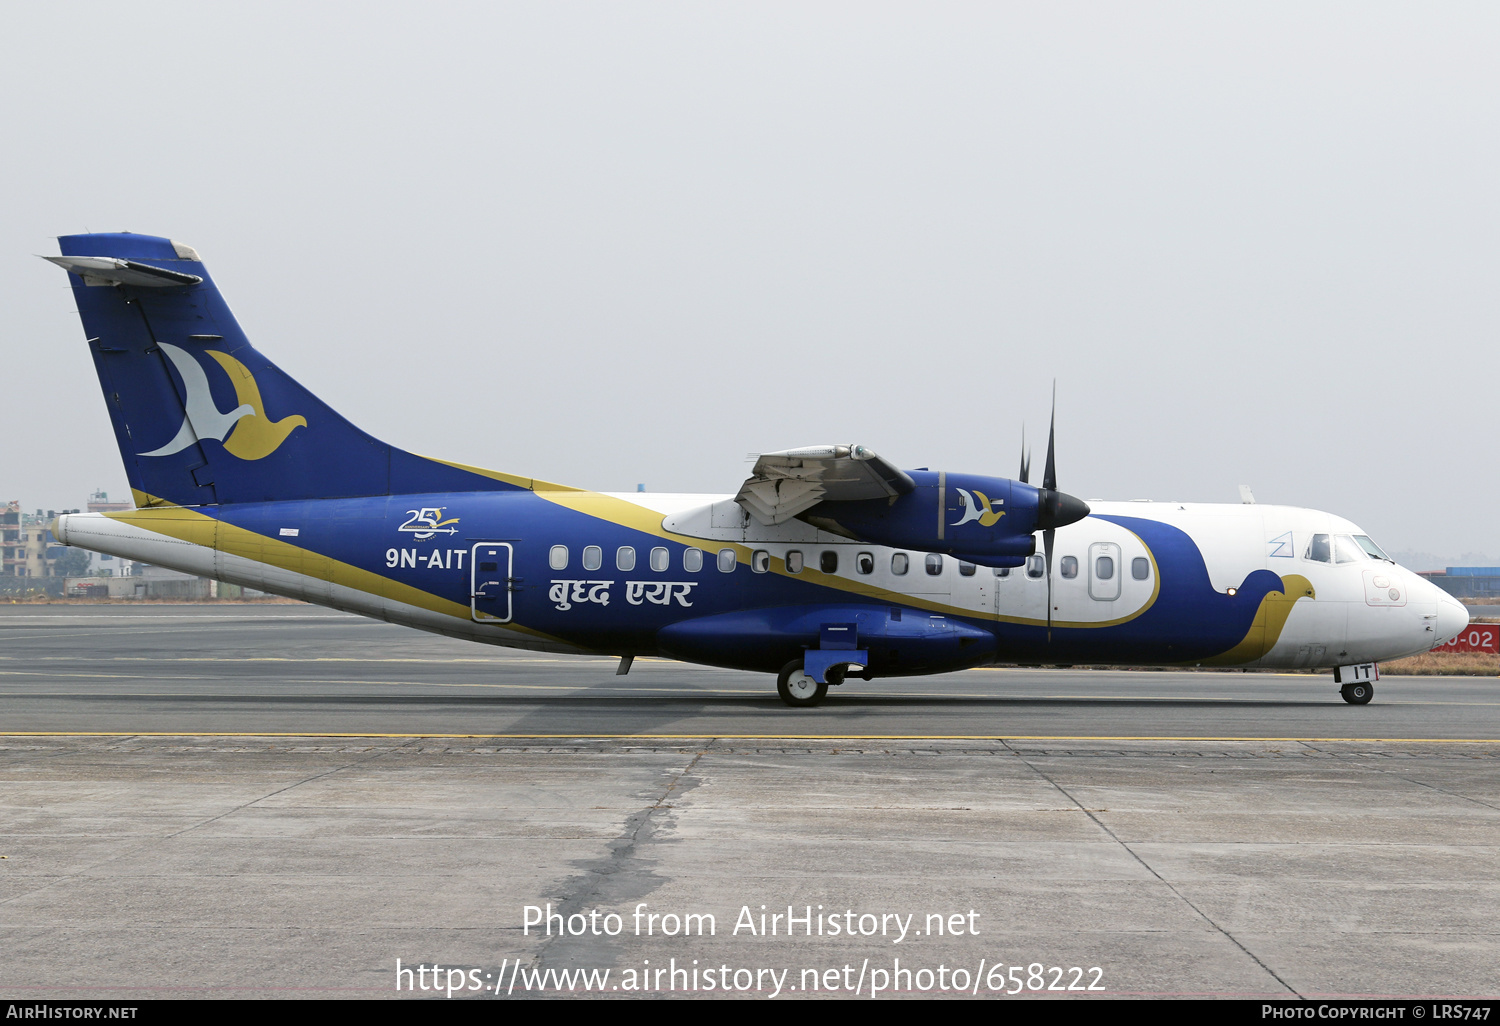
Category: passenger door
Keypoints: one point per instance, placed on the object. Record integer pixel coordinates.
(490, 582)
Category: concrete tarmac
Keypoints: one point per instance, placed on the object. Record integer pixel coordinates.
(1027, 819)
(266, 669)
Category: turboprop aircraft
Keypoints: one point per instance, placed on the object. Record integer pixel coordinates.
(829, 563)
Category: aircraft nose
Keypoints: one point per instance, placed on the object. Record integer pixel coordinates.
(1452, 618)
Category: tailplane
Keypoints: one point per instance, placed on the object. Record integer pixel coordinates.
(200, 416)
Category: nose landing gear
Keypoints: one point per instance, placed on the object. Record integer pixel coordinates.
(1358, 681)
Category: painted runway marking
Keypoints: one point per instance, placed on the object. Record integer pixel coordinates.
(759, 737)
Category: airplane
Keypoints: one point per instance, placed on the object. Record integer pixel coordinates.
(829, 564)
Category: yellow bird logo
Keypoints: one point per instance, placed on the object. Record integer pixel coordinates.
(255, 436)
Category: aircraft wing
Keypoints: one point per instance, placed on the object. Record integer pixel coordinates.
(784, 484)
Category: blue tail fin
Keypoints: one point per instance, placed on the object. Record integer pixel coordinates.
(200, 416)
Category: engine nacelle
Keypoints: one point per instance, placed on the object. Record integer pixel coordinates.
(986, 520)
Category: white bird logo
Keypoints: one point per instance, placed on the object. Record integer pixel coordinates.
(202, 418)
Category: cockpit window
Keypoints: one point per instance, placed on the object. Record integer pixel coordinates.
(1346, 551)
(1370, 547)
(1319, 549)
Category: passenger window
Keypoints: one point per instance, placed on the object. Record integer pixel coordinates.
(1001, 571)
(558, 557)
(692, 560)
(900, 563)
(660, 559)
(1345, 550)
(593, 557)
(794, 561)
(726, 561)
(828, 562)
(864, 563)
(1104, 567)
(1318, 550)
(760, 561)
(934, 564)
(1069, 567)
(965, 569)
(625, 557)
(1036, 567)
(1140, 568)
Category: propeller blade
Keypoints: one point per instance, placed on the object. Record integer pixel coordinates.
(1055, 508)
(1025, 458)
(1047, 536)
(1049, 477)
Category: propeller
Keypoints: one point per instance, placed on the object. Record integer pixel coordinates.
(1054, 508)
(1025, 458)
(1049, 489)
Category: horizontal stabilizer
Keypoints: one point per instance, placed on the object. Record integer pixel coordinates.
(96, 270)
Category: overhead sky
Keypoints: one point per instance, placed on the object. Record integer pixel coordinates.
(610, 244)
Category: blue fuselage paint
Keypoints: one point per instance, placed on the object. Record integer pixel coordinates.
(737, 618)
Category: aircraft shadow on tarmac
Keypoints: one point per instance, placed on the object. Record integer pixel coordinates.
(613, 709)
(699, 700)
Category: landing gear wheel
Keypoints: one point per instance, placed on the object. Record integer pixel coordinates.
(797, 687)
(1357, 694)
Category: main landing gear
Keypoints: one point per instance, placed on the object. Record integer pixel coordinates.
(799, 690)
(1358, 693)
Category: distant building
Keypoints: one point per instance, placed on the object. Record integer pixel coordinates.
(27, 548)
(1467, 582)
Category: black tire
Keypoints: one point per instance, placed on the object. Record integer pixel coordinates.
(798, 689)
(1358, 694)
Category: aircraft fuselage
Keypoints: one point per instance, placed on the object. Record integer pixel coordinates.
(687, 576)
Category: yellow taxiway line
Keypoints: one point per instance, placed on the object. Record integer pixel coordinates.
(744, 737)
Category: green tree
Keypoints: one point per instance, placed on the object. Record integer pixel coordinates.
(72, 563)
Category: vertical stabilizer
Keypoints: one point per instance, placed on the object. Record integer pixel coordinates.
(200, 416)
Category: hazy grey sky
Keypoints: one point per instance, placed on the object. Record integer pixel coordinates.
(615, 243)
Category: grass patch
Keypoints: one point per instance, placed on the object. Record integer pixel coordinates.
(1445, 664)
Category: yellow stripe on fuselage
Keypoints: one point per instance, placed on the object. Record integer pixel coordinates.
(189, 525)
